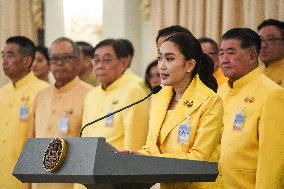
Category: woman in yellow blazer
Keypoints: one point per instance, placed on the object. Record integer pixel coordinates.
(186, 115)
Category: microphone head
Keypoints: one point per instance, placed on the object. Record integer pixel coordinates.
(156, 89)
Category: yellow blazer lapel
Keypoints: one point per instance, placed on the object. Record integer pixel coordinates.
(160, 108)
(192, 99)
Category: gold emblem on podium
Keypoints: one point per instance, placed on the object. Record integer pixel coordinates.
(54, 155)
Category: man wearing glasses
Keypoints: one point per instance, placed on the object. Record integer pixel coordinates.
(126, 130)
(271, 33)
(59, 108)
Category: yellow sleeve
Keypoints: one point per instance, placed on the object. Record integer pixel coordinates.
(208, 134)
(136, 121)
(31, 133)
(145, 150)
(270, 166)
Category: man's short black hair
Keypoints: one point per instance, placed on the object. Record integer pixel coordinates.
(128, 46)
(209, 40)
(165, 32)
(115, 44)
(86, 48)
(272, 22)
(27, 46)
(247, 37)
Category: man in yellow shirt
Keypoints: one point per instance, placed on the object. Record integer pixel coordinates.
(252, 144)
(128, 54)
(86, 72)
(126, 130)
(59, 108)
(271, 33)
(210, 47)
(16, 103)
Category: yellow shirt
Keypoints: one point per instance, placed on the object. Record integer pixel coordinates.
(132, 77)
(126, 130)
(252, 145)
(275, 71)
(53, 109)
(15, 125)
(218, 74)
(92, 80)
(205, 111)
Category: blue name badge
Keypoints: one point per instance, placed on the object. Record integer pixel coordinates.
(24, 112)
(63, 125)
(109, 120)
(183, 134)
(239, 120)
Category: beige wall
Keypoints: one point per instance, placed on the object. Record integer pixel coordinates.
(122, 19)
(15, 19)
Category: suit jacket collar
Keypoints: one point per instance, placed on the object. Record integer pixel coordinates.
(193, 97)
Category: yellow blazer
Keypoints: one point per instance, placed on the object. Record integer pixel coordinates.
(206, 113)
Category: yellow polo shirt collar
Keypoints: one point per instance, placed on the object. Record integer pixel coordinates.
(115, 84)
(275, 63)
(247, 78)
(69, 86)
(26, 79)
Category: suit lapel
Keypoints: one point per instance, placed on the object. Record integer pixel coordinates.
(161, 108)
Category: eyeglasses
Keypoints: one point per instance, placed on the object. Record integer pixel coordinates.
(105, 61)
(271, 40)
(63, 58)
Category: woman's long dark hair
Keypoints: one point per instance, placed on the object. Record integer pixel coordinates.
(189, 46)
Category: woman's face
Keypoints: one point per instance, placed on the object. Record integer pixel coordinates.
(40, 65)
(173, 69)
(154, 77)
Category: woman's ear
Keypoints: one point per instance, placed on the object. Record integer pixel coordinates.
(190, 65)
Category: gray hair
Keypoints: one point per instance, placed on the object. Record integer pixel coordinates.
(76, 49)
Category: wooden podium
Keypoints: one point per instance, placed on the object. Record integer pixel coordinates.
(94, 163)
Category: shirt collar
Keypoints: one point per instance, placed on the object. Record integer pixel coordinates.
(26, 79)
(116, 83)
(246, 78)
(67, 87)
(275, 63)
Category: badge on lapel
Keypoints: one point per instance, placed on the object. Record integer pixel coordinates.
(249, 99)
(188, 103)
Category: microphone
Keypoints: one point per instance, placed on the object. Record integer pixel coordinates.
(153, 91)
